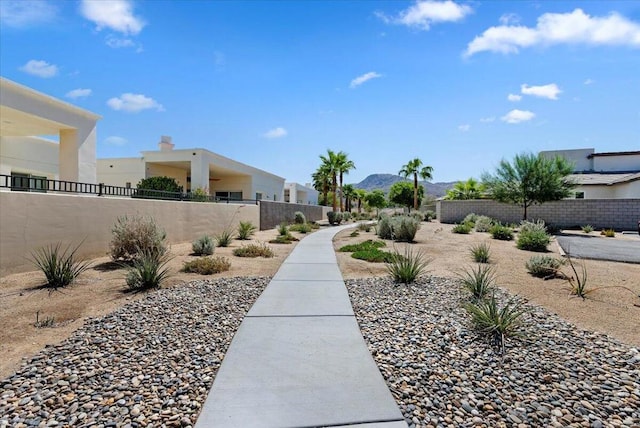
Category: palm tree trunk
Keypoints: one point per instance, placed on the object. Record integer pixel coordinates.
(415, 191)
(341, 200)
(335, 186)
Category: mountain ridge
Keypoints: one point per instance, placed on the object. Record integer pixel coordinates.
(385, 181)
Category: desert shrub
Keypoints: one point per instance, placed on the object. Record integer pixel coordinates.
(471, 218)
(207, 265)
(463, 228)
(532, 226)
(404, 228)
(346, 216)
(354, 234)
(47, 322)
(587, 228)
(543, 266)
(245, 230)
(429, 215)
(60, 267)
(479, 281)
(533, 240)
(300, 227)
(200, 195)
(496, 322)
(407, 267)
(334, 217)
(224, 238)
(609, 233)
(364, 227)
(373, 255)
(481, 253)
(417, 215)
(483, 223)
(283, 229)
(203, 246)
(299, 218)
(503, 233)
(363, 246)
(149, 270)
(254, 250)
(134, 235)
(384, 228)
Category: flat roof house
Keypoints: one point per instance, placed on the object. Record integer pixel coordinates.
(607, 175)
(193, 169)
(296, 193)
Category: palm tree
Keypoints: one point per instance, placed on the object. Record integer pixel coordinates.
(330, 165)
(349, 193)
(322, 182)
(414, 167)
(360, 195)
(344, 165)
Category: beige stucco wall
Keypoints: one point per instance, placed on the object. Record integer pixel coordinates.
(119, 171)
(155, 170)
(629, 190)
(72, 218)
(29, 155)
(616, 163)
(579, 157)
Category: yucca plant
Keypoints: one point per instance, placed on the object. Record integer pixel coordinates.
(479, 281)
(149, 270)
(283, 229)
(406, 268)
(224, 238)
(245, 230)
(481, 253)
(496, 322)
(203, 246)
(60, 267)
(587, 228)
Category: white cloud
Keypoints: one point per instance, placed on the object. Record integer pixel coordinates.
(278, 132)
(78, 93)
(423, 13)
(464, 128)
(517, 116)
(361, 79)
(116, 15)
(115, 140)
(589, 82)
(488, 119)
(509, 18)
(24, 13)
(514, 97)
(557, 28)
(134, 103)
(40, 68)
(549, 91)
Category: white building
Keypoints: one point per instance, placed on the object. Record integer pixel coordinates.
(193, 169)
(26, 114)
(609, 175)
(298, 194)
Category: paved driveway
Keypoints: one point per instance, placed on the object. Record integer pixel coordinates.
(595, 247)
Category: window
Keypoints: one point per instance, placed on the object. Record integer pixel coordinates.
(224, 195)
(28, 183)
(579, 195)
(258, 196)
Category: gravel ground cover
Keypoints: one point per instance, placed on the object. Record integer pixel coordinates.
(149, 363)
(442, 373)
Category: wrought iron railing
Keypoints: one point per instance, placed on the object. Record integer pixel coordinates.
(45, 185)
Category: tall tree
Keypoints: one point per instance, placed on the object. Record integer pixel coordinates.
(531, 179)
(330, 164)
(360, 195)
(402, 193)
(376, 199)
(349, 193)
(470, 189)
(344, 165)
(414, 167)
(322, 182)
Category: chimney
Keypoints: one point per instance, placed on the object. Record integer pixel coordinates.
(165, 144)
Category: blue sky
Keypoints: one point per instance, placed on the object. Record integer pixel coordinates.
(460, 85)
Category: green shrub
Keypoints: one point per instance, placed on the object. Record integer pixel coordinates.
(346, 216)
(503, 233)
(134, 235)
(300, 227)
(283, 229)
(417, 215)
(404, 228)
(200, 195)
(407, 267)
(299, 218)
(483, 223)
(481, 252)
(207, 265)
(373, 255)
(463, 228)
(496, 322)
(384, 228)
(245, 230)
(224, 238)
(364, 227)
(471, 219)
(532, 226)
(149, 270)
(60, 267)
(429, 215)
(533, 240)
(162, 183)
(283, 239)
(363, 246)
(609, 233)
(543, 266)
(254, 250)
(203, 246)
(354, 234)
(335, 218)
(587, 228)
(478, 281)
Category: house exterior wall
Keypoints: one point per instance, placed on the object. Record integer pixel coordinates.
(29, 155)
(616, 163)
(302, 194)
(155, 170)
(120, 171)
(630, 189)
(578, 157)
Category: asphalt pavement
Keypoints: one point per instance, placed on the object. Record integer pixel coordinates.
(600, 248)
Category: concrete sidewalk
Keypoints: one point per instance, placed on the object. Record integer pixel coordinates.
(298, 358)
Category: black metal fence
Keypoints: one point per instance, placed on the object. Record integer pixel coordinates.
(44, 185)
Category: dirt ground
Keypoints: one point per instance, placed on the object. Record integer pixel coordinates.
(102, 288)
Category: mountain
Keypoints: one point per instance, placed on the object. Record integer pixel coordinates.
(384, 182)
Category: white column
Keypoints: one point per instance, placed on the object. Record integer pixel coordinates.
(199, 173)
(77, 155)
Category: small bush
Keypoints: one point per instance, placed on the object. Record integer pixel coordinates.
(503, 233)
(207, 265)
(532, 226)
(47, 322)
(203, 246)
(335, 218)
(483, 223)
(363, 246)
(299, 218)
(463, 228)
(587, 228)
(346, 216)
(533, 240)
(283, 229)
(373, 255)
(254, 250)
(224, 238)
(542, 266)
(478, 281)
(609, 233)
(429, 215)
(60, 267)
(300, 227)
(404, 228)
(245, 230)
(149, 270)
(364, 227)
(471, 218)
(417, 215)
(494, 321)
(354, 234)
(135, 235)
(481, 252)
(384, 228)
(406, 268)
(283, 239)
